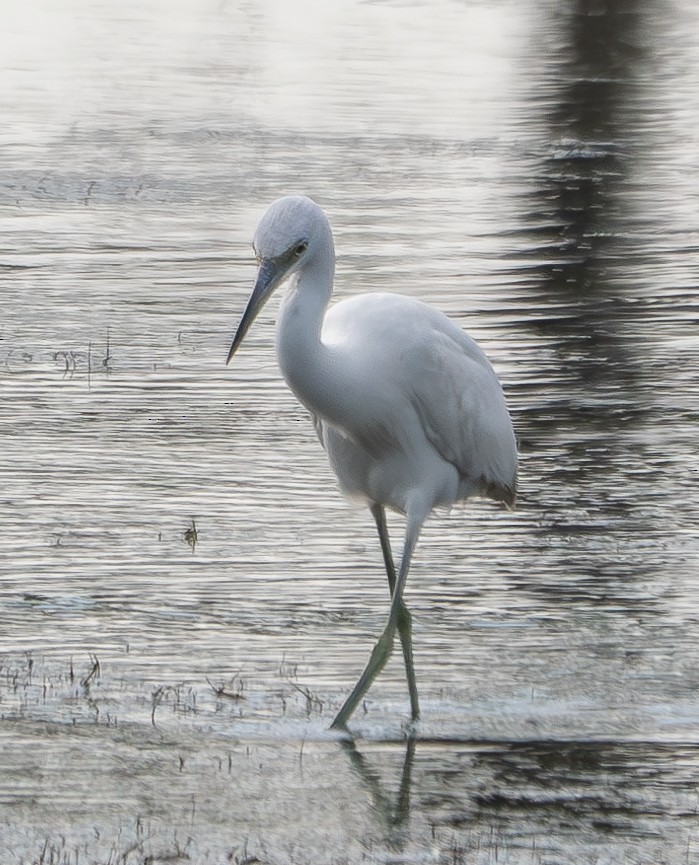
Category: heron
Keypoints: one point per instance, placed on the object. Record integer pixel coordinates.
(406, 405)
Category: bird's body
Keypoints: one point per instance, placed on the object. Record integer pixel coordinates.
(406, 404)
(428, 410)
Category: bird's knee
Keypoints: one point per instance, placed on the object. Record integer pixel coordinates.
(405, 620)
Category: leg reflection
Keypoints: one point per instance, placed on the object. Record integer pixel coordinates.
(394, 810)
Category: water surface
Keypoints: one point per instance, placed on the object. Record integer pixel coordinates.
(524, 166)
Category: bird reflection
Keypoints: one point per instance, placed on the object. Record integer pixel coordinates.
(392, 809)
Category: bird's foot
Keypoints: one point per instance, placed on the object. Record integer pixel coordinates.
(411, 728)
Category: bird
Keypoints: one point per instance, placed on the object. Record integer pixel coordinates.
(406, 405)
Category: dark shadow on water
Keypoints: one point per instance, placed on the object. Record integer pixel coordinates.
(584, 791)
(581, 248)
(600, 385)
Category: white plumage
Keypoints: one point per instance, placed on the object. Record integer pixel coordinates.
(406, 404)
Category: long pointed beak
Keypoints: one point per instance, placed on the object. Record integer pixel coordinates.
(268, 278)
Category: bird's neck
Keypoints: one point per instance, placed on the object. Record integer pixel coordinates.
(304, 360)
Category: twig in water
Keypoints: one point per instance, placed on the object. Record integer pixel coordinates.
(236, 683)
(191, 535)
(311, 699)
(95, 671)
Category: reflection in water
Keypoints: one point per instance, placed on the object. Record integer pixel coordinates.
(510, 798)
(393, 809)
(595, 302)
(590, 101)
(123, 792)
(600, 794)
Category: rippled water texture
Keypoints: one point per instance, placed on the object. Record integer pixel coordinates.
(185, 599)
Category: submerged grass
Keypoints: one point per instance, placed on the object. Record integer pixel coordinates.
(88, 779)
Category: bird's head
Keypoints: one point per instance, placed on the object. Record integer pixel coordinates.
(289, 235)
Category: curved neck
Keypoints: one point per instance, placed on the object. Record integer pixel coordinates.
(303, 358)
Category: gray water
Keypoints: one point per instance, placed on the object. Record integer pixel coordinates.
(185, 597)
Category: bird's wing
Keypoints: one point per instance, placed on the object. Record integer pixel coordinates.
(460, 403)
(408, 349)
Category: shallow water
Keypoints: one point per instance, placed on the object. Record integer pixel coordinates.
(524, 166)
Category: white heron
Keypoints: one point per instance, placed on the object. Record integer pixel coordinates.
(406, 404)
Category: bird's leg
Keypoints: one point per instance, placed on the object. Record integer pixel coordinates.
(404, 618)
(382, 650)
(379, 516)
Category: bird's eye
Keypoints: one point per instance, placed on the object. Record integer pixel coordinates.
(300, 248)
